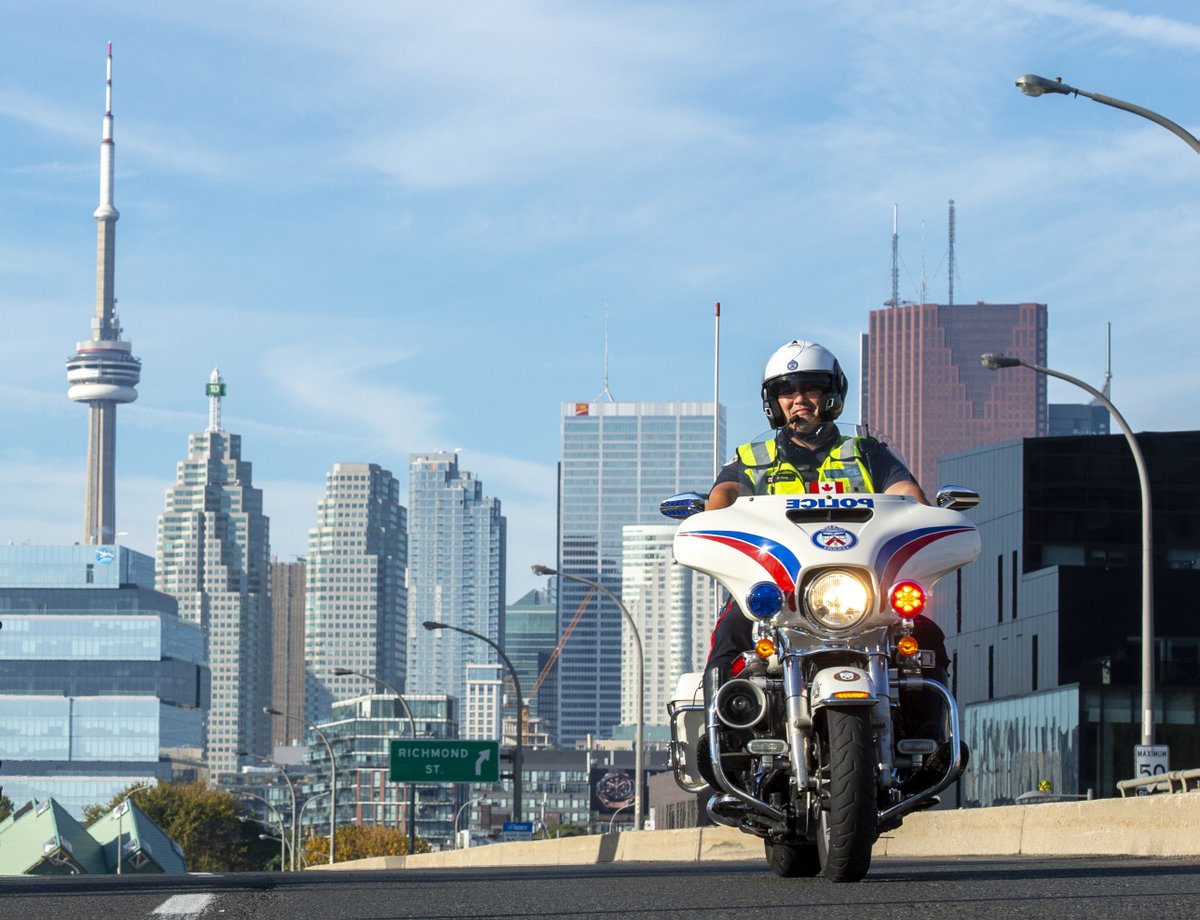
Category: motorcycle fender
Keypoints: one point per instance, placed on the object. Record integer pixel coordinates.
(842, 686)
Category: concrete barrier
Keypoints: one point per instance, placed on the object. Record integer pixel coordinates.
(1159, 825)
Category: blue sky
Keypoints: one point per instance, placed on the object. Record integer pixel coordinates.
(400, 226)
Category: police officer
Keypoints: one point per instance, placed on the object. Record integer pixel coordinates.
(803, 393)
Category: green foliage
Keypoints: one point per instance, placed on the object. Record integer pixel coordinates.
(561, 830)
(205, 822)
(6, 807)
(354, 842)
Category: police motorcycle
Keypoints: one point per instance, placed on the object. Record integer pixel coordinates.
(806, 743)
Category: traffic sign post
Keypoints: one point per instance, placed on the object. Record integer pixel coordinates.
(444, 761)
(1151, 760)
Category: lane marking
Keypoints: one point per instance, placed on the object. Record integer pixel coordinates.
(182, 905)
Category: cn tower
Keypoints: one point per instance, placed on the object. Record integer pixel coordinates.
(103, 370)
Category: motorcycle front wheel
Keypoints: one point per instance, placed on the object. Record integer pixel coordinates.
(846, 773)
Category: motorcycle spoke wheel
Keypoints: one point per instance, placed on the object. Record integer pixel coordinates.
(847, 825)
(793, 860)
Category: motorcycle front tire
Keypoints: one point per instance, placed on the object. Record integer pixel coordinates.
(793, 860)
(847, 824)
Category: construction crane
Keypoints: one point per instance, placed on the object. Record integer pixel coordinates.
(553, 659)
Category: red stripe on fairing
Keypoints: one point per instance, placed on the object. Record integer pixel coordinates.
(776, 569)
(908, 550)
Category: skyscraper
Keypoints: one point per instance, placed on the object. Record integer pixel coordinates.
(676, 610)
(103, 371)
(214, 559)
(619, 460)
(925, 391)
(287, 640)
(530, 635)
(457, 541)
(355, 603)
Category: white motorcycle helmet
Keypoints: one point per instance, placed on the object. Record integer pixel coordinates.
(807, 362)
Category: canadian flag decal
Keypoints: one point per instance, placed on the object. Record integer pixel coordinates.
(824, 488)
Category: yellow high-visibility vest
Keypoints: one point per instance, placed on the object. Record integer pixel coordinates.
(770, 474)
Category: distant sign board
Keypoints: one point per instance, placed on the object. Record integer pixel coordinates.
(445, 761)
(517, 830)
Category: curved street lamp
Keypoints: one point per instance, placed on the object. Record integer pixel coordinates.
(458, 814)
(412, 730)
(332, 774)
(995, 362)
(283, 844)
(122, 807)
(517, 758)
(639, 754)
(304, 808)
(1033, 85)
(291, 790)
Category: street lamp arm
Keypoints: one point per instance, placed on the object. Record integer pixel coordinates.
(1175, 129)
(1033, 85)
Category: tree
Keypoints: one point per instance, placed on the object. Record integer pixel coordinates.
(205, 822)
(355, 842)
(6, 807)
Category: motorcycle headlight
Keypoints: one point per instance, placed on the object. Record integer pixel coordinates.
(837, 599)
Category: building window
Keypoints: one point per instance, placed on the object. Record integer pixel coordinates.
(1000, 589)
(1013, 590)
(991, 672)
(1033, 661)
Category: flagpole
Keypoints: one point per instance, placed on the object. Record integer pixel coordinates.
(717, 395)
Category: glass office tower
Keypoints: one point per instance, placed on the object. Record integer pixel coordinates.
(102, 685)
(456, 542)
(619, 460)
(355, 603)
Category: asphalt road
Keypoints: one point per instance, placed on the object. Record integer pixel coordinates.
(1110, 888)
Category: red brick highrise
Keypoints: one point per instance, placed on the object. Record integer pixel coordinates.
(925, 391)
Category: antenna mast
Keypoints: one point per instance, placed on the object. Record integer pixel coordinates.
(605, 393)
(922, 261)
(717, 394)
(950, 295)
(895, 255)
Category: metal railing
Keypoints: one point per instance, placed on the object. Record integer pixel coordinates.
(1173, 781)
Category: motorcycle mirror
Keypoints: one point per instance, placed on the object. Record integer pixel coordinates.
(682, 505)
(957, 498)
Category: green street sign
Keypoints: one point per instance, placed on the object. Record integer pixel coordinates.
(445, 761)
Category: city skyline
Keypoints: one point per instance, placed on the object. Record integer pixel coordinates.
(359, 252)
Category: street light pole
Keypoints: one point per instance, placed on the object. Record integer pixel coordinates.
(995, 362)
(332, 775)
(291, 790)
(123, 804)
(458, 814)
(1033, 85)
(282, 836)
(518, 759)
(412, 730)
(639, 752)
